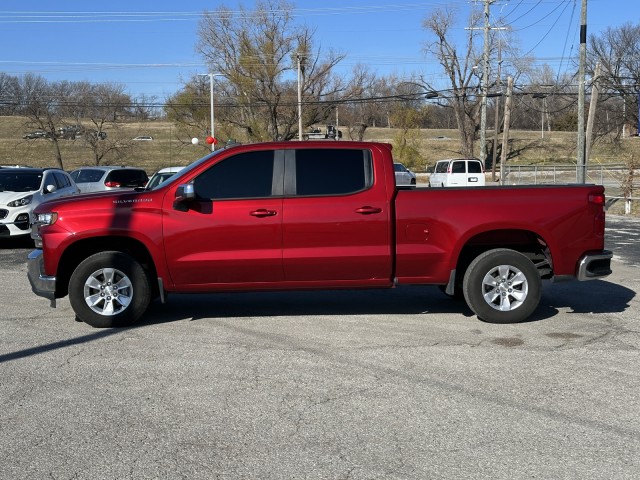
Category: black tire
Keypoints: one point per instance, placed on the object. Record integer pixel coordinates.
(502, 286)
(413, 181)
(109, 289)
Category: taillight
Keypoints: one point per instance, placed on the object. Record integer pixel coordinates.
(112, 184)
(597, 198)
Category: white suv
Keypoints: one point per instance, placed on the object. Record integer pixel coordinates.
(458, 172)
(22, 189)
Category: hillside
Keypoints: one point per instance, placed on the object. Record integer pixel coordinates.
(526, 147)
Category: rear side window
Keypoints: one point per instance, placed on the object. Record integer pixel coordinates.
(332, 171)
(475, 167)
(246, 175)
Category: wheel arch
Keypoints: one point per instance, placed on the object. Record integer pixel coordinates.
(78, 251)
(527, 242)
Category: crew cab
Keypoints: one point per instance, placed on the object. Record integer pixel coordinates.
(312, 215)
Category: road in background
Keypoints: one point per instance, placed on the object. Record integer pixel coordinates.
(402, 383)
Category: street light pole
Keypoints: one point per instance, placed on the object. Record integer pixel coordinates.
(213, 127)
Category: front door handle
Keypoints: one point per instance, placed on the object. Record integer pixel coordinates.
(368, 210)
(263, 212)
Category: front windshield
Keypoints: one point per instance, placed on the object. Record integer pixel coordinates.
(159, 178)
(188, 168)
(20, 181)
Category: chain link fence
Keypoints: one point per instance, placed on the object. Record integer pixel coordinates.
(622, 183)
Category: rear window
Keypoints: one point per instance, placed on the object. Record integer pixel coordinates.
(475, 167)
(458, 166)
(87, 175)
(128, 178)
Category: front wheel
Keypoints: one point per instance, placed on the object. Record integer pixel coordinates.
(502, 286)
(109, 289)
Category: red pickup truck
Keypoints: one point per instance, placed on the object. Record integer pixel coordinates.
(312, 215)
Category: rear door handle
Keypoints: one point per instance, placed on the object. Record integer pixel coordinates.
(368, 210)
(263, 212)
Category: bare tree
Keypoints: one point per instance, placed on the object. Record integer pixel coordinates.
(45, 107)
(617, 49)
(459, 69)
(257, 52)
(103, 104)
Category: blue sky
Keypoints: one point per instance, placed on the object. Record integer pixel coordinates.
(149, 46)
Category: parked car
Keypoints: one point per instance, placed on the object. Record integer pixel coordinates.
(70, 132)
(143, 138)
(97, 179)
(36, 134)
(23, 189)
(458, 172)
(162, 175)
(404, 176)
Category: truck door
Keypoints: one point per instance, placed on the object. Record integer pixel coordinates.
(336, 220)
(231, 234)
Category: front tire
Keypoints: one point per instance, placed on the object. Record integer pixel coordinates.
(502, 286)
(109, 289)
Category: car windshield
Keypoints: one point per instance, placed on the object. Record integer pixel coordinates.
(20, 181)
(159, 178)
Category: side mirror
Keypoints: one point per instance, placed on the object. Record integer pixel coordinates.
(184, 194)
(50, 188)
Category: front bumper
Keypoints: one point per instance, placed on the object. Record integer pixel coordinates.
(42, 285)
(595, 265)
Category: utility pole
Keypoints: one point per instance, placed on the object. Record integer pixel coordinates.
(505, 136)
(496, 123)
(595, 90)
(299, 99)
(581, 87)
(485, 81)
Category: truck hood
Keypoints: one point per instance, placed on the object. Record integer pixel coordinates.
(101, 201)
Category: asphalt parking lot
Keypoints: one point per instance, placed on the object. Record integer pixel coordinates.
(398, 384)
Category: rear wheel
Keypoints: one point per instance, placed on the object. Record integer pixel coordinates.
(109, 289)
(502, 286)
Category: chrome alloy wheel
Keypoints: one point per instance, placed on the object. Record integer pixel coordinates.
(505, 288)
(108, 291)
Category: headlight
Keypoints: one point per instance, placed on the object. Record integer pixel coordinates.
(48, 218)
(21, 202)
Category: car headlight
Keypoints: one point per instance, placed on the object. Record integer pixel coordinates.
(21, 202)
(48, 218)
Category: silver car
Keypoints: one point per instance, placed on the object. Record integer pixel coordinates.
(404, 176)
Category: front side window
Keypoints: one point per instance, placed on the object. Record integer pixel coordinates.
(332, 171)
(246, 175)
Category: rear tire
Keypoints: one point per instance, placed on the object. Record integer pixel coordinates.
(502, 286)
(109, 289)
